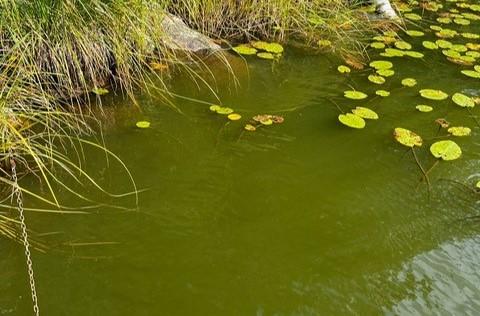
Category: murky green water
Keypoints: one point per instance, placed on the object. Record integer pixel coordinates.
(304, 218)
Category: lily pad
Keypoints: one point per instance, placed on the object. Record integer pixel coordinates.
(382, 93)
(433, 94)
(446, 150)
(424, 108)
(444, 44)
(244, 50)
(234, 117)
(412, 16)
(407, 137)
(377, 45)
(224, 111)
(381, 64)
(376, 79)
(385, 72)
(250, 128)
(324, 43)
(471, 73)
(460, 131)
(274, 48)
(214, 108)
(355, 95)
(343, 69)
(409, 82)
(415, 33)
(264, 55)
(461, 21)
(429, 45)
(365, 113)
(352, 120)
(403, 45)
(463, 100)
(143, 124)
(261, 45)
(414, 54)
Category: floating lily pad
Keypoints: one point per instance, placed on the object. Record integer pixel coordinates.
(265, 55)
(376, 79)
(343, 69)
(414, 54)
(352, 120)
(381, 64)
(377, 45)
(409, 82)
(473, 54)
(244, 50)
(424, 108)
(355, 95)
(477, 68)
(261, 45)
(429, 45)
(234, 117)
(451, 53)
(250, 128)
(143, 124)
(385, 72)
(274, 48)
(432, 94)
(393, 52)
(224, 111)
(470, 35)
(446, 150)
(407, 137)
(214, 108)
(403, 45)
(382, 93)
(444, 20)
(444, 44)
(463, 100)
(460, 131)
(412, 16)
(459, 48)
(461, 21)
(436, 28)
(471, 73)
(100, 91)
(365, 113)
(415, 33)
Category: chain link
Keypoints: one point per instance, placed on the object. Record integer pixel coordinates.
(18, 194)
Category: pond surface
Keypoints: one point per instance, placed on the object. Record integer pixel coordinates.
(308, 217)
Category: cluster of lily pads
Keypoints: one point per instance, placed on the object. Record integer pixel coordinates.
(261, 49)
(392, 45)
(252, 125)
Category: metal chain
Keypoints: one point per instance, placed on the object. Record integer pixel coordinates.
(18, 193)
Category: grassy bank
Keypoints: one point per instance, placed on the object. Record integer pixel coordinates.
(53, 53)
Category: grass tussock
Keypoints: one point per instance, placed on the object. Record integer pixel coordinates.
(53, 53)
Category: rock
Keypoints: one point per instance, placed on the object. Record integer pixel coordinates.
(178, 36)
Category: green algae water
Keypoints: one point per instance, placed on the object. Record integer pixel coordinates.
(307, 217)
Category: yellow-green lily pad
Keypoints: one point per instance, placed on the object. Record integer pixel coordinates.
(407, 137)
(385, 72)
(343, 69)
(471, 73)
(244, 50)
(355, 95)
(381, 64)
(429, 45)
(376, 79)
(459, 131)
(382, 93)
(424, 108)
(409, 82)
(143, 124)
(446, 150)
(463, 100)
(352, 120)
(433, 94)
(365, 113)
